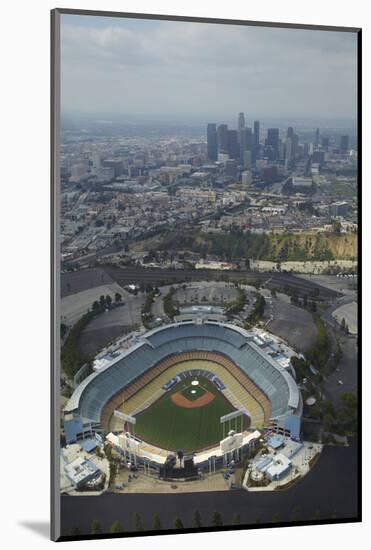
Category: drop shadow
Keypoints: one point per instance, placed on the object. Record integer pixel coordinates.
(41, 528)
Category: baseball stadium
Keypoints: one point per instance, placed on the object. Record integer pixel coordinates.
(186, 386)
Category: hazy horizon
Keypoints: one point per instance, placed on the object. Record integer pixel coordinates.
(163, 70)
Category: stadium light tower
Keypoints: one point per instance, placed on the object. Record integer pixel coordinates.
(126, 418)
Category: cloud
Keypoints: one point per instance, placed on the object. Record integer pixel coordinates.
(195, 69)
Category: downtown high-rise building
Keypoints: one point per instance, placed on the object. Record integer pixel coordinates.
(257, 132)
(247, 142)
(212, 142)
(273, 143)
(241, 122)
(325, 143)
(316, 138)
(222, 138)
(233, 148)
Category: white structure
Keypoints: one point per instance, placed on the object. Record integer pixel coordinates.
(278, 468)
(300, 181)
(80, 470)
(246, 176)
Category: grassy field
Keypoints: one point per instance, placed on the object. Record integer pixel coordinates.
(172, 427)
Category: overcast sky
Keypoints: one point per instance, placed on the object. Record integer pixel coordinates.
(180, 69)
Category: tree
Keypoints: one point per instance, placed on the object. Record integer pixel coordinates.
(197, 519)
(328, 421)
(156, 522)
(236, 519)
(116, 527)
(102, 301)
(275, 518)
(178, 524)
(108, 300)
(96, 527)
(295, 514)
(117, 297)
(96, 305)
(137, 521)
(217, 519)
(317, 515)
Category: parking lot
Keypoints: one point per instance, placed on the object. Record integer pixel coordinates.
(292, 323)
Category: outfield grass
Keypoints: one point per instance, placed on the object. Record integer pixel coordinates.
(172, 427)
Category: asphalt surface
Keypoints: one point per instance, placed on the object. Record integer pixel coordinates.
(73, 282)
(329, 490)
(293, 324)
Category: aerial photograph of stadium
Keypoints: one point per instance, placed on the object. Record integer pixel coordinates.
(207, 227)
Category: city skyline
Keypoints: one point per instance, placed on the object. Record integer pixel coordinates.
(195, 70)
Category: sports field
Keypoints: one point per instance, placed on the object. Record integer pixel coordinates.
(186, 417)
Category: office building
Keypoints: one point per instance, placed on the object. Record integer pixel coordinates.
(222, 138)
(232, 144)
(247, 159)
(212, 142)
(273, 143)
(241, 121)
(316, 138)
(325, 143)
(257, 132)
(246, 177)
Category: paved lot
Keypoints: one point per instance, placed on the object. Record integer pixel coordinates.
(109, 325)
(76, 305)
(347, 372)
(293, 324)
(339, 284)
(329, 489)
(349, 313)
(77, 281)
(207, 293)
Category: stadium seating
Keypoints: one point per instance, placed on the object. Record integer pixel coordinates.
(262, 386)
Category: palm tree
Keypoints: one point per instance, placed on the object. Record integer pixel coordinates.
(116, 527)
(197, 519)
(217, 519)
(275, 518)
(236, 519)
(156, 522)
(137, 520)
(96, 527)
(295, 515)
(178, 524)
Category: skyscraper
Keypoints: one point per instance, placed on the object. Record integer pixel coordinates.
(222, 135)
(273, 142)
(325, 143)
(290, 132)
(241, 121)
(316, 139)
(257, 131)
(212, 142)
(288, 149)
(232, 144)
(246, 141)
